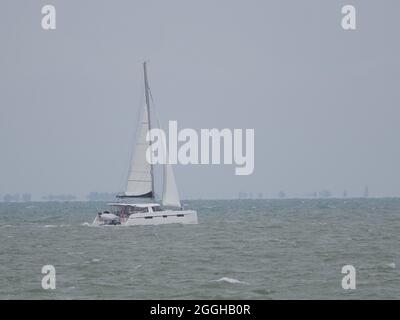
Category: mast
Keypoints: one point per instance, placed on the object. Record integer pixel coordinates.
(146, 89)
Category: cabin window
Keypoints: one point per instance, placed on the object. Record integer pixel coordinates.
(148, 217)
(179, 215)
(156, 208)
(165, 216)
(118, 212)
(138, 210)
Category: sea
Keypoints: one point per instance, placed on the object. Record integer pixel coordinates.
(241, 249)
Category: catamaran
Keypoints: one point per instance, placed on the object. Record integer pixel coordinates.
(140, 184)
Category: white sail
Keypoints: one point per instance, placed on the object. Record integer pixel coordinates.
(170, 197)
(140, 181)
(170, 193)
(140, 176)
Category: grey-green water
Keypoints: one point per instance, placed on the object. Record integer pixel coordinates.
(267, 249)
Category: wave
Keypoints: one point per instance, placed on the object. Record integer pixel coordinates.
(231, 280)
(56, 226)
(76, 253)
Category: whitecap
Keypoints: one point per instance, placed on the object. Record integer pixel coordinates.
(391, 265)
(50, 226)
(78, 252)
(231, 280)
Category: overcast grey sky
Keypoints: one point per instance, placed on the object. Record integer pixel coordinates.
(324, 102)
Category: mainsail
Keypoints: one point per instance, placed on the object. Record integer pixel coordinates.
(141, 180)
(140, 177)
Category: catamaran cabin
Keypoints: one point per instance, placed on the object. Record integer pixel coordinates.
(126, 209)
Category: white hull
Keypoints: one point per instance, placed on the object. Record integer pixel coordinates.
(154, 218)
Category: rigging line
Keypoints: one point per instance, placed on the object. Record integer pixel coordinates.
(147, 94)
(154, 104)
(165, 152)
(157, 118)
(123, 181)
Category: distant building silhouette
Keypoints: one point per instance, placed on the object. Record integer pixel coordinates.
(101, 196)
(281, 194)
(260, 195)
(344, 194)
(11, 198)
(366, 192)
(324, 194)
(60, 197)
(26, 197)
